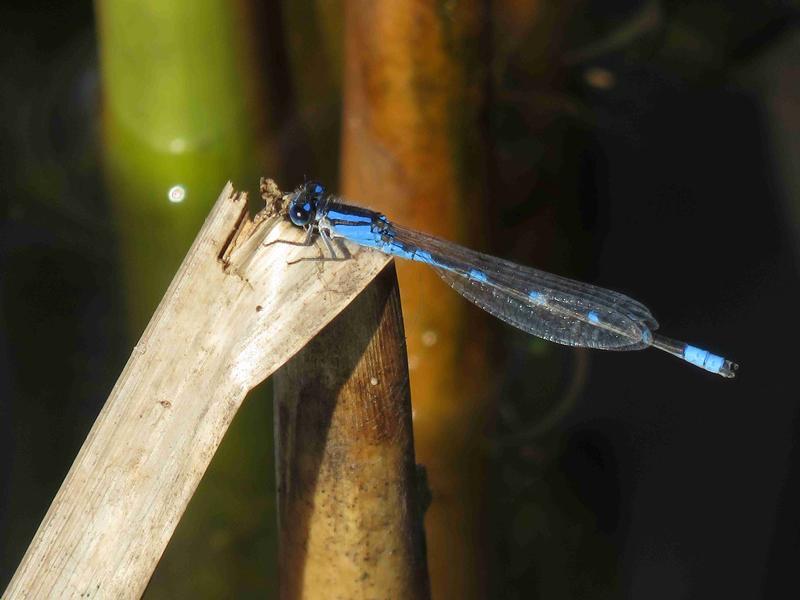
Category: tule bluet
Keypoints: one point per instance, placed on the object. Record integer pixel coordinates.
(549, 306)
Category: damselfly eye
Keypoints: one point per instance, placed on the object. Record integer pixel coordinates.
(300, 214)
(303, 206)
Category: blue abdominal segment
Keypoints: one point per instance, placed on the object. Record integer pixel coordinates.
(696, 356)
(703, 359)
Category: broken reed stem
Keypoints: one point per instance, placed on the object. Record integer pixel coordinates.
(350, 521)
(233, 314)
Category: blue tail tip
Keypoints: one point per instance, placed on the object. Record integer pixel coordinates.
(710, 362)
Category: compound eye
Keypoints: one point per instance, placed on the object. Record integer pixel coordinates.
(303, 206)
(300, 212)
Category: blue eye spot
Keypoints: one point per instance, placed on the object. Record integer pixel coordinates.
(593, 316)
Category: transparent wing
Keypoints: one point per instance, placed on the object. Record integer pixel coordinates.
(549, 306)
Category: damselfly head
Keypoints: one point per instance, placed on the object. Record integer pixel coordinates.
(304, 202)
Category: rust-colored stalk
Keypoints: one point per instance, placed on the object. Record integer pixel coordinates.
(412, 146)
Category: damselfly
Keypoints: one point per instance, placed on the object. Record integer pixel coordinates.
(549, 306)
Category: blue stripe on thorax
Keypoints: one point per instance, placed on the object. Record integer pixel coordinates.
(373, 230)
(360, 225)
(339, 213)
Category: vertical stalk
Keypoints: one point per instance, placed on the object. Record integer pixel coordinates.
(179, 118)
(184, 111)
(412, 146)
(350, 524)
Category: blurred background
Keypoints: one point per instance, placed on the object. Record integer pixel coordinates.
(649, 146)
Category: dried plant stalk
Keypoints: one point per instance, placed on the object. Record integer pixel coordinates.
(350, 517)
(233, 314)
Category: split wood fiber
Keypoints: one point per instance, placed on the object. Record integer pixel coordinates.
(234, 313)
(349, 516)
